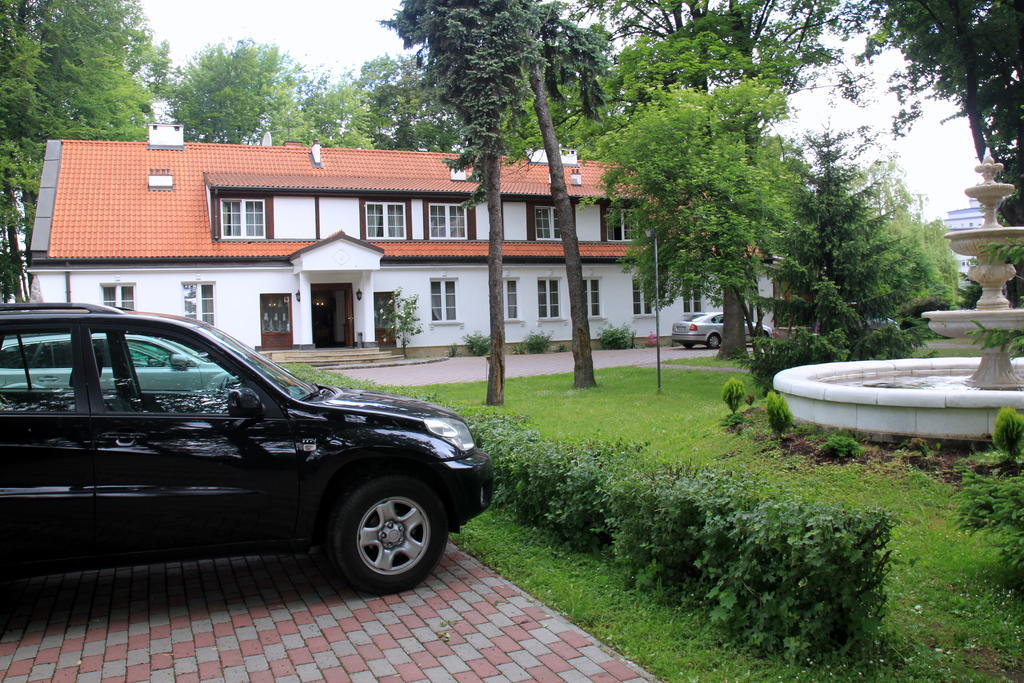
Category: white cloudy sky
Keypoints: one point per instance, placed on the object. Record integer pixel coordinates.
(937, 155)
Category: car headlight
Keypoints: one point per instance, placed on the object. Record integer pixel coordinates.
(454, 431)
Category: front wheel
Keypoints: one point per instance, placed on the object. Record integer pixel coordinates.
(387, 534)
(714, 341)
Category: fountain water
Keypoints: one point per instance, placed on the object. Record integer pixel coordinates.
(950, 398)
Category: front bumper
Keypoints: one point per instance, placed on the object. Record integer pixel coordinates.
(471, 483)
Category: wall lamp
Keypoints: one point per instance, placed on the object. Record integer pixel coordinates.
(298, 296)
(359, 295)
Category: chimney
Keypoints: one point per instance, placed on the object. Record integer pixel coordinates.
(166, 136)
(161, 179)
(569, 157)
(459, 174)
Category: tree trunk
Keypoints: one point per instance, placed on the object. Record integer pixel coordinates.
(583, 360)
(734, 333)
(495, 240)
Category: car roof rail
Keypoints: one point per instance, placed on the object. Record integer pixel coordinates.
(91, 308)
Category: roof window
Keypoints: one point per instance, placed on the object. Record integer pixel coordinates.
(161, 179)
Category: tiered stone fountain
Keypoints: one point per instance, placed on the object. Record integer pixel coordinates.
(949, 398)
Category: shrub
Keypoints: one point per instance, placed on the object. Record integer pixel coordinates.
(537, 342)
(478, 344)
(842, 447)
(777, 574)
(805, 348)
(780, 418)
(1009, 433)
(733, 392)
(995, 505)
(617, 337)
(453, 350)
(732, 420)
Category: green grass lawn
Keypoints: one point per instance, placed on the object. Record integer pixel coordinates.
(951, 615)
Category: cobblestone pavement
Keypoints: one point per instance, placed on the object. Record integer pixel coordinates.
(288, 618)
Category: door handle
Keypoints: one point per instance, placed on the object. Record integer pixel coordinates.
(126, 440)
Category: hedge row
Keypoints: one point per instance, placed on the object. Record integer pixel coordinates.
(804, 578)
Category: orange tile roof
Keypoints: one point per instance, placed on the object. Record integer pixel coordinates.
(104, 208)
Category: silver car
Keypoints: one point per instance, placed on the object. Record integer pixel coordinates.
(704, 328)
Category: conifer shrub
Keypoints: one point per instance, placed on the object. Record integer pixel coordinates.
(1008, 436)
(780, 419)
(733, 392)
(995, 505)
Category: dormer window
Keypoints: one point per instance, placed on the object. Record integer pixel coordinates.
(546, 223)
(617, 231)
(385, 220)
(242, 219)
(447, 221)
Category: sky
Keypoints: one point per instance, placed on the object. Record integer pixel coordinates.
(936, 154)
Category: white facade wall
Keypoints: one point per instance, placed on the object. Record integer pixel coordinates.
(339, 213)
(514, 217)
(294, 218)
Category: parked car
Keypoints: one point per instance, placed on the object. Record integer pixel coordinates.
(130, 437)
(704, 328)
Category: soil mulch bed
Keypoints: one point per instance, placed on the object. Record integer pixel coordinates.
(945, 460)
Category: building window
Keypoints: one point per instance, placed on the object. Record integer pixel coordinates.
(547, 298)
(546, 223)
(593, 290)
(442, 300)
(692, 303)
(640, 304)
(119, 296)
(511, 299)
(447, 221)
(385, 221)
(242, 218)
(198, 300)
(617, 232)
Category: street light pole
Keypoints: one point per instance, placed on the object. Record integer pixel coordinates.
(653, 234)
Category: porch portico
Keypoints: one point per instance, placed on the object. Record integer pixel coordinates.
(334, 293)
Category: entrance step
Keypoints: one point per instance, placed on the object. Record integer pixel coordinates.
(331, 357)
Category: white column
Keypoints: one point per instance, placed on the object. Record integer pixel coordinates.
(302, 322)
(364, 319)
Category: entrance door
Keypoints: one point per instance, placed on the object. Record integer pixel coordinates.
(332, 314)
(276, 321)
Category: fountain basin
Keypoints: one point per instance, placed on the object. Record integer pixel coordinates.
(956, 324)
(882, 413)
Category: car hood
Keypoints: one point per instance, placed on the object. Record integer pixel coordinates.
(381, 403)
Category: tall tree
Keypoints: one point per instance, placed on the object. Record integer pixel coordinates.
(333, 112)
(477, 54)
(697, 168)
(236, 94)
(403, 110)
(68, 69)
(569, 54)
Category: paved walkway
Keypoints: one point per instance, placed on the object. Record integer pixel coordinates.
(288, 618)
(474, 368)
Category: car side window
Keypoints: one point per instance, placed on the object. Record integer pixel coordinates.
(150, 373)
(35, 372)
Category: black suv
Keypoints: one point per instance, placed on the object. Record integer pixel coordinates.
(128, 436)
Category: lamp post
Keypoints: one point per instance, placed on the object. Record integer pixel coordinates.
(653, 234)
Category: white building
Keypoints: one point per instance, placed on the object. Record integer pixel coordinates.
(302, 247)
(964, 219)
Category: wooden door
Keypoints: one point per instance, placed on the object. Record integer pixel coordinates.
(276, 321)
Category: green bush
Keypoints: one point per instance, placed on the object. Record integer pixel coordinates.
(1009, 433)
(478, 344)
(617, 337)
(733, 392)
(842, 447)
(537, 342)
(995, 505)
(778, 575)
(771, 356)
(780, 418)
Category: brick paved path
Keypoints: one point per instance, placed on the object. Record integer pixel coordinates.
(284, 617)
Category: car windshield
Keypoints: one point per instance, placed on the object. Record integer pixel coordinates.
(692, 316)
(271, 371)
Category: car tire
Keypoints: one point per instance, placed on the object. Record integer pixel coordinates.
(688, 345)
(387, 534)
(714, 341)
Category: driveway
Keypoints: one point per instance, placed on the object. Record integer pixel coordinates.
(288, 618)
(474, 368)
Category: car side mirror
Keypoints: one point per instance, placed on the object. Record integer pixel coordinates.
(243, 402)
(181, 362)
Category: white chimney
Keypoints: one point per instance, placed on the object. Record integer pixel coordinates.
(569, 157)
(166, 136)
(458, 174)
(314, 155)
